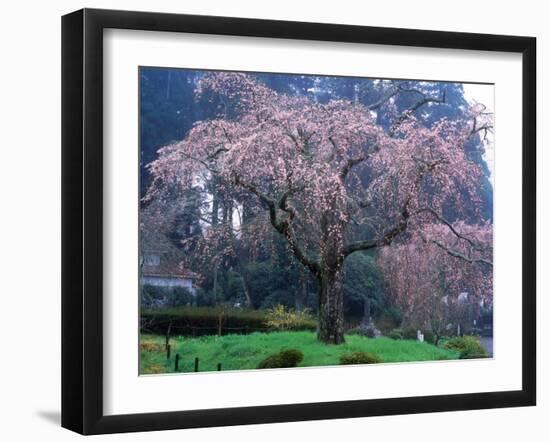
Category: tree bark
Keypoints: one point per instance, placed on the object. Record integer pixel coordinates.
(331, 307)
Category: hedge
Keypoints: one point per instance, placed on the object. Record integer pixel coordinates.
(197, 321)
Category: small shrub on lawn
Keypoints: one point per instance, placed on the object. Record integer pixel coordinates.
(467, 346)
(396, 334)
(289, 358)
(280, 318)
(359, 358)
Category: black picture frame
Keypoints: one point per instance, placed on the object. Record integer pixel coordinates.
(82, 215)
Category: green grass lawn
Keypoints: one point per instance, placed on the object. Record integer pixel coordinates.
(237, 352)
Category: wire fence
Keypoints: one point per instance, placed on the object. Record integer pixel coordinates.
(195, 331)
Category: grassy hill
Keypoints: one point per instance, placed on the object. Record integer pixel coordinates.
(238, 352)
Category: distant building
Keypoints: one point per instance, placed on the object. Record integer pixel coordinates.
(160, 269)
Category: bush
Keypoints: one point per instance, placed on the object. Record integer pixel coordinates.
(364, 332)
(467, 346)
(396, 334)
(150, 346)
(280, 318)
(288, 358)
(429, 337)
(390, 319)
(188, 320)
(410, 333)
(165, 297)
(370, 333)
(359, 358)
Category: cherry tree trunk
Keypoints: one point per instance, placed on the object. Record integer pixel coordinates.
(331, 307)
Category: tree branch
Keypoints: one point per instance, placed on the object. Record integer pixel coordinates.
(386, 239)
(350, 164)
(407, 114)
(450, 226)
(383, 100)
(459, 255)
(283, 227)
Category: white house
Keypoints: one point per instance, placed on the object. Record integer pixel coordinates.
(159, 269)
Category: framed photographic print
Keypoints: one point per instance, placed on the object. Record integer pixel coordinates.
(269, 221)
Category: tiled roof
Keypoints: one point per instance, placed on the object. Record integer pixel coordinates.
(169, 269)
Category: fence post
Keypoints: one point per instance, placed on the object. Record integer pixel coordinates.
(219, 366)
(196, 364)
(177, 365)
(168, 350)
(168, 335)
(220, 320)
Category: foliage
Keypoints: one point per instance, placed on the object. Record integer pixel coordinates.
(204, 320)
(201, 320)
(277, 279)
(280, 318)
(237, 352)
(429, 337)
(410, 333)
(370, 332)
(169, 297)
(288, 358)
(390, 319)
(359, 358)
(440, 275)
(356, 331)
(468, 347)
(365, 332)
(363, 280)
(395, 334)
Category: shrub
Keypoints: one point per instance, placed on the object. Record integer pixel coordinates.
(288, 358)
(370, 332)
(467, 346)
(187, 320)
(280, 318)
(396, 334)
(429, 337)
(150, 346)
(359, 358)
(410, 333)
(364, 332)
(169, 297)
(390, 319)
